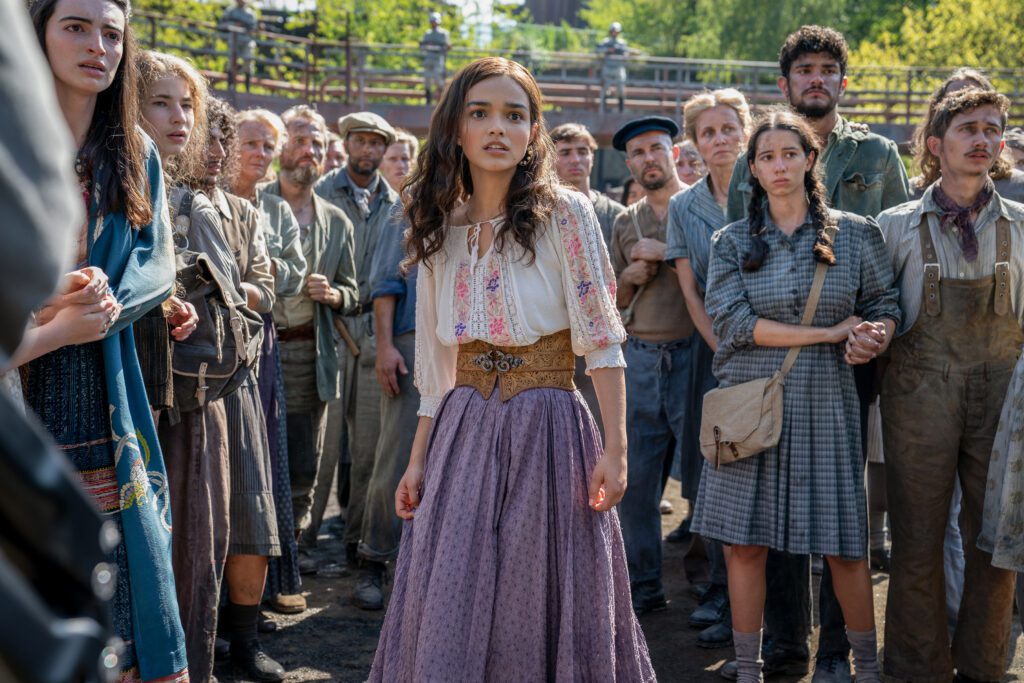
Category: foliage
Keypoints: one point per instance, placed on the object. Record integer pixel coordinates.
(737, 29)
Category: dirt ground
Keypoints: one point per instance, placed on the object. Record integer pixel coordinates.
(334, 641)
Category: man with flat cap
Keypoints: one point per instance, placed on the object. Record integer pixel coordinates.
(434, 45)
(613, 52)
(657, 350)
(360, 191)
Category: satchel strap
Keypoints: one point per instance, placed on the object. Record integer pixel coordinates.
(812, 306)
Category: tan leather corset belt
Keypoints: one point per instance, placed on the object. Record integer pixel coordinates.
(549, 363)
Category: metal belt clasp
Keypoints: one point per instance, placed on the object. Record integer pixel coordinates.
(497, 361)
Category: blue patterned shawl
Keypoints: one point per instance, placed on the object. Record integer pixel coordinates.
(140, 265)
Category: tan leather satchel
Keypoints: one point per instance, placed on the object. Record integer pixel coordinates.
(746, 419)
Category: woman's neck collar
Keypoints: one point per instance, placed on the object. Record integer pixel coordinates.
(78, 109)
(719, 179)
(789, 212)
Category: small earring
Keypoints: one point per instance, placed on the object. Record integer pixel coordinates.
(527, 158)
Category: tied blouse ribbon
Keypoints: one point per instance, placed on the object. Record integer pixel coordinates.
(960, 219)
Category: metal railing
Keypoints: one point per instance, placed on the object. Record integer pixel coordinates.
(357, 73)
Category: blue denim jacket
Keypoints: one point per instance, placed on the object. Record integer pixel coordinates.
(386, 278)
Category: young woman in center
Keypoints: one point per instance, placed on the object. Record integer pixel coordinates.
(805, 495)
(511, 559)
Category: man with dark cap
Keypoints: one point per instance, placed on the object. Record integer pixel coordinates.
(657, 350)
(613, 51)
(364, 196)
(434, 45)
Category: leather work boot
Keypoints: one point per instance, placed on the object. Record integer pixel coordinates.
(369, 592)
(256, 663)
(832, 669)
(712, 609)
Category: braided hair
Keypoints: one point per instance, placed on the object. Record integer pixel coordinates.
(784, 119)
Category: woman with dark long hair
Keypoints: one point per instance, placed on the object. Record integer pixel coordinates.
(91, 396)
(805, 495)
(511, 560)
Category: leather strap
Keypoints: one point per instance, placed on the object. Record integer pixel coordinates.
(932, 270)
(1002, 271)
(812, 306)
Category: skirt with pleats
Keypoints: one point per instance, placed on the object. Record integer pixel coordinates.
(506, 573)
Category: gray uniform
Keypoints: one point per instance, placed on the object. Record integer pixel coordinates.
(434, 44)
(613, 51)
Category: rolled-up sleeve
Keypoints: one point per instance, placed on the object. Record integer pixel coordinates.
(385, 273)
(675, 242)
(727, 303)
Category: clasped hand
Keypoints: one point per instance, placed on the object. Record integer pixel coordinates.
(864, 342)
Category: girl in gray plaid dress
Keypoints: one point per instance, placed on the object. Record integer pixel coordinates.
(807, 494)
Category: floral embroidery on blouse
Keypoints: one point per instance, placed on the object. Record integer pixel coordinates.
(463, 299)
(597, 321)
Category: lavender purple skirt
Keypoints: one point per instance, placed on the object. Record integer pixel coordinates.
(506, 572)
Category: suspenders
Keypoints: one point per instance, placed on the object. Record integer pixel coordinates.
(933, 274)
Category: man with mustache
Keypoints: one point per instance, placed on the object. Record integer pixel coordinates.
(361, 192)
(958, 255)
(306, 322)
(657, 350)
(863, 175)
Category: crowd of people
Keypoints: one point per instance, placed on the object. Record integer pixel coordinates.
(499, 368)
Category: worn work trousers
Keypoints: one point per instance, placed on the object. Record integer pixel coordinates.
(382, 528)
(304, 422)
(196, 453)
(362, 423)
(939, 426)
(657, 378)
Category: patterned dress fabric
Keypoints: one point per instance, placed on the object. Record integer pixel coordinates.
(506, 568)
(282, 572)
(506, 571)
(1002, 530)
(63, 390)
(805, 495)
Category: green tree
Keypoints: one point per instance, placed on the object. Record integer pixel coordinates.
(737, 29)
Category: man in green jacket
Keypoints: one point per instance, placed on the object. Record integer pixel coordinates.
(863, 175)
(307, 322)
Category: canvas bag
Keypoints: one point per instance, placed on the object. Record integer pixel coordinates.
(746, 419)
(218, 355)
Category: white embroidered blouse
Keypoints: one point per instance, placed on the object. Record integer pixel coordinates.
(507, 300)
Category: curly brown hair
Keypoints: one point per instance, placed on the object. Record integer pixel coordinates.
(441, 179)
(812, 40)
(784, 119)
(156, 66)
(220, 114)
(926, 162)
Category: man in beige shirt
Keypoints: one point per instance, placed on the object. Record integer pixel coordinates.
(657, 350)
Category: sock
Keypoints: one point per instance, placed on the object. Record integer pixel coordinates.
(241, 623)
(865, 655)
(748, 656)
(876, 523)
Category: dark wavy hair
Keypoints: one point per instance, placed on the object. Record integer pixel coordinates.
(220, 114)
(784, 119)
(926, 162)
(441, 179)
(812, 40)
(114, 150)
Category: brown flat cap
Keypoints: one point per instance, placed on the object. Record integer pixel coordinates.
(366, 122)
